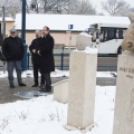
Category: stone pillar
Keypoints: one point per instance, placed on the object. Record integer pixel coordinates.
(81, 94)
(124, 102)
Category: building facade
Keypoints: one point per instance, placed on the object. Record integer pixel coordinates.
(9, 24)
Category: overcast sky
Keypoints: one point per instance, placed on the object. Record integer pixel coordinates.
(97, 4)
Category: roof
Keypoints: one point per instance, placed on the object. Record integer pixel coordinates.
(61, 22)
(111, 25)
(7, 19)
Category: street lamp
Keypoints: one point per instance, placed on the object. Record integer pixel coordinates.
(23, 36)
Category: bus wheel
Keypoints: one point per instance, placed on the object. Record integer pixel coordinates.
(119, 51)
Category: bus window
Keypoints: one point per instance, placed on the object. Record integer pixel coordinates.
(124, 31)
(120, 33)
(107, 34)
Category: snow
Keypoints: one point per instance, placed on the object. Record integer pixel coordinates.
(57, 73)
(88, 50)
(85, 34)
(61, 22)
(106, 74)
(7, 19)
(44, 116)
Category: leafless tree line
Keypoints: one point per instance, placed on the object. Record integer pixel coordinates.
(12, 7)
(117, 7)
(48, 7)
(85, 7)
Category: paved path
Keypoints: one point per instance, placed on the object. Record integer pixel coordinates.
(7, 94)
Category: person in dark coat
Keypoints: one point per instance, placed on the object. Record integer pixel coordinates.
(36, 59)
(47, 59)
(13, 50)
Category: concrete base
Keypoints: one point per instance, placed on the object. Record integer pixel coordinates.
(70, 128)
(60, 90)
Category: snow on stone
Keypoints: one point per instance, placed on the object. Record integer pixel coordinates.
(88, 50)
(44, 116)
(85, 34)
(61, 22)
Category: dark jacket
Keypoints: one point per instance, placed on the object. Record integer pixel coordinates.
(35, 45)
(46, 50)
(13, 49)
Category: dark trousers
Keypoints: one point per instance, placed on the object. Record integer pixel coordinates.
(47, 80)
(10, 67)
(36, 69)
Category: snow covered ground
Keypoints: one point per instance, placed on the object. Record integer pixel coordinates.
(44, 116)
(57, 73)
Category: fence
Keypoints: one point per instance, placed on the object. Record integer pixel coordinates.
(62, 55)
(62, 65)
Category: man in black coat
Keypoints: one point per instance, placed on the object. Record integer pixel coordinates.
(47, 58)
(13, 50)
(36, 59)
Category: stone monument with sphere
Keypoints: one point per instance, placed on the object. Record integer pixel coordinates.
(124, 102)
(82, 85)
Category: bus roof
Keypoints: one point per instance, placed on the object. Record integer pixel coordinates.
(111, 25)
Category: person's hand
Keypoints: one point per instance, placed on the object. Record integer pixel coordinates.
(34, 51)
(39, 53)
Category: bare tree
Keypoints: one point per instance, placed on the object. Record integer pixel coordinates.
(85, 7)
(35, 5)
(63, 6)
(100, 14)
(54, 6)
(113, 7)
(80, 7)
(124, 10)
(11, 7)
(131, 9)
(60, 6)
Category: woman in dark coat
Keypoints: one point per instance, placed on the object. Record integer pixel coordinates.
(47, 59)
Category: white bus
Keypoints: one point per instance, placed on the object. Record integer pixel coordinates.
(108, 38)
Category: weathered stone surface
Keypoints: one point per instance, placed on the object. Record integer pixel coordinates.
(128, 42)
(61, 91)
(82, 85)
(83, 40)
(124, 102)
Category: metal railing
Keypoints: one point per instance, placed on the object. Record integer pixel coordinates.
(63, 55)
(61, 66)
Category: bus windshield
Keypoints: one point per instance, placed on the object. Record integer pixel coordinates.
(108, 33)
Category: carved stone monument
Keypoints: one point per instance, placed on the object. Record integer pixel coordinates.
(124, 102)
(82, 85)
(128, 42)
